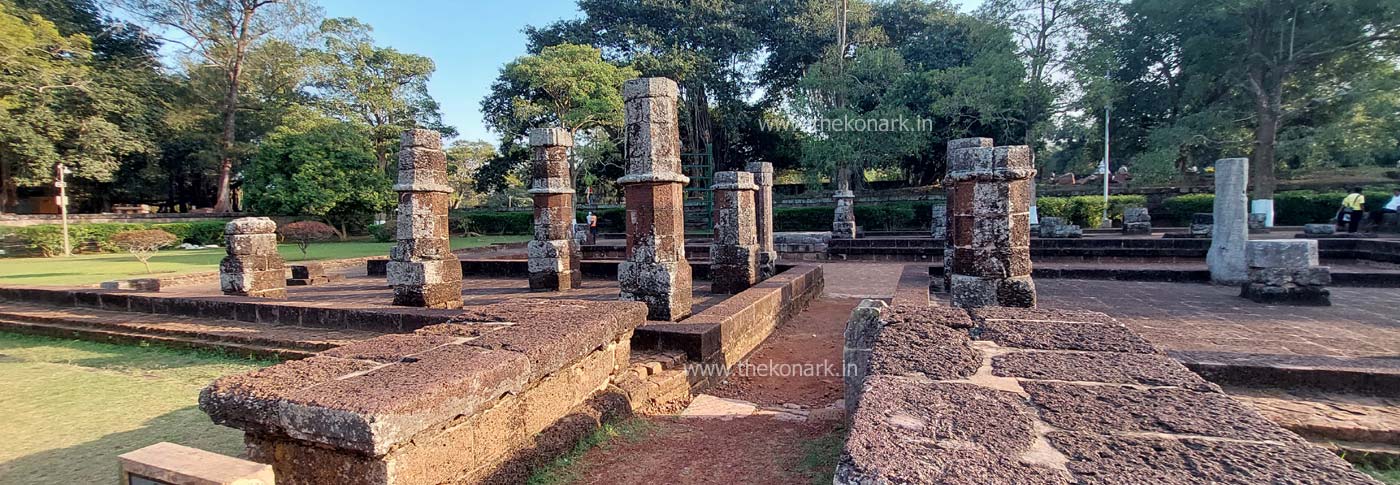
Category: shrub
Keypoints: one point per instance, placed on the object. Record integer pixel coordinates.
(803, 219)
(1087, 210)
(45, 239)
(1180, 208)
(205, 233)
(303, 233)
(493, 222)
(143, 243)
(1054, 207)
(383, 232)
(1116, 204)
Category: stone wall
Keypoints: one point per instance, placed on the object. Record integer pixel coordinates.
(479, 399)
(1010, 395)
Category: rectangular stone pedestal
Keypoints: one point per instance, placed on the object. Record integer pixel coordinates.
(664, 287)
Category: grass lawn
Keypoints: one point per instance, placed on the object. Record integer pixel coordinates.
(70, 407)
(87, 269)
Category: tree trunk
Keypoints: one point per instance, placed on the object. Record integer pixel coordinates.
(224, 201)
(1269, 113)
(8, 191)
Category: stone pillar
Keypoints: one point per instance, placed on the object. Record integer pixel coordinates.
(1286, 271)
(253, 267)
(1136, 220)
(991, 236)
(939, 216)
(1226, 258)
(949, 188)
(843, 225)
(554, 254)
(655, 271)
(763, 218)
(422, 268)
(734, 254)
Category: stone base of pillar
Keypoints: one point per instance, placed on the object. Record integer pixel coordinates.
(664, 287)
(554, 265)
(733, 268)
(429, 284)
(1287, 295)
(260, 276)
(975, 292)
(1138, 228)
(843, 225)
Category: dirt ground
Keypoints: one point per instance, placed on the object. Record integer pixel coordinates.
(756, 449)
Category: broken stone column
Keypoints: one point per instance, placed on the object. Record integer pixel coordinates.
(1058, 228)
(655, 271)
(554, 254)
(1226, 258)
(422, 268)
(843, 225)
(1286, 271)
(253, 267)
(1202, 224)
(991, 229)
(1136, 220)
(949, 189)
(734, 253)
(763, 218)
(939, 216)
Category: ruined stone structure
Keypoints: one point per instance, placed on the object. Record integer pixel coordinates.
(554, 253)
(655, 270)
(253, 267)
(991, 230)
(1258, 223)
(1137, 221)
(1058, 228)
(734, 254)
(843, 225)
(1226, 258)
(1202, 225)
(1286, 271)
(307, 274)
(763, 218)
(422, 269)
(950, 189)
(1012, 395)
(939, 216)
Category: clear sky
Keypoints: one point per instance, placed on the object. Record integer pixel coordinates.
(469, 40)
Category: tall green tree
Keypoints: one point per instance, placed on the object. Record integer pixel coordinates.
(378, 86)
(218, 35)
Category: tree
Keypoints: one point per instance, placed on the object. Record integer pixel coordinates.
(53, 110)
(379, 86)
(322, 167)
(303, 233)
(143, 244)
(218, 35)
(464, 158)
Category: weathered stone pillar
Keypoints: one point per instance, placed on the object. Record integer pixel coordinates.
(422, 268)
(949, 188)
(1286, 271)
(656, 271)
(1136, 220)
(1226, 258)
(763, 218)
(991, 236)
(734, 252)
(939, 217)
(253, 267)
(554, 254)
(843, 225)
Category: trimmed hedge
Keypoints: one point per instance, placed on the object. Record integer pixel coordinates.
(1087, 210)
(47, 239)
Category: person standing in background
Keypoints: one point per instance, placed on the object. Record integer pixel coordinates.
(1391, 207)
(592, 228)
(1353, 209)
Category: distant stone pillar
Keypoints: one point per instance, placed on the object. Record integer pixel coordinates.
(655, 271)
(991, 237)
(422, 268)
(843, 225)
(554, 254)
(763, 218)
(938, 215)
(1226, 258)
(734, 253)
(949, 189)
(253, 267)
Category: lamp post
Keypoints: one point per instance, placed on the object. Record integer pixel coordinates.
(62, 200)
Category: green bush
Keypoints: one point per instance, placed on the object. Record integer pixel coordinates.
(1116, 204)
(1179, 209)
(205, 233)
(804, 219)
(1054, 207)
(382, 232)
(494, 223)
(45, 239)
(1087, 210)
(609, 220)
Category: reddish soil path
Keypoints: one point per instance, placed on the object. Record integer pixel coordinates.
(756, 449)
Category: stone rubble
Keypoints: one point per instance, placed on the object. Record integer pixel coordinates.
(1137, 221)
(1058, 228)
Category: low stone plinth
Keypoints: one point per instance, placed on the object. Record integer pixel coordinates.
(252, 267)
(307, 274)
(1202, 224)
(475, 399)
(1137, 221)
(1319, 229)
(172, 464)
(1286, 271)
(1047, 397)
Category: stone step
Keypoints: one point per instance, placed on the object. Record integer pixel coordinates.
(271, 340)
(1355, 375)
(1379, 456)
(112, 336)
(1364, 429)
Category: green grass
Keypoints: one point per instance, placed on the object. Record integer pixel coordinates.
(819, 456)
(1388, 476)
(564, 470)
(70, 407)
(87, 269)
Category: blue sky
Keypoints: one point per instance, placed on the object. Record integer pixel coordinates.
(469, 40)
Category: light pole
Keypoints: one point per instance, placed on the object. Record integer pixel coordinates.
(1107, 172)
(62, 200)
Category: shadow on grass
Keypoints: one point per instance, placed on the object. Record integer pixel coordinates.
(96, 461)
(126, 357)
(37, 275)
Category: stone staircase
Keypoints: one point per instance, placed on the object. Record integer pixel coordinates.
(1361, 428)
(241, 338)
